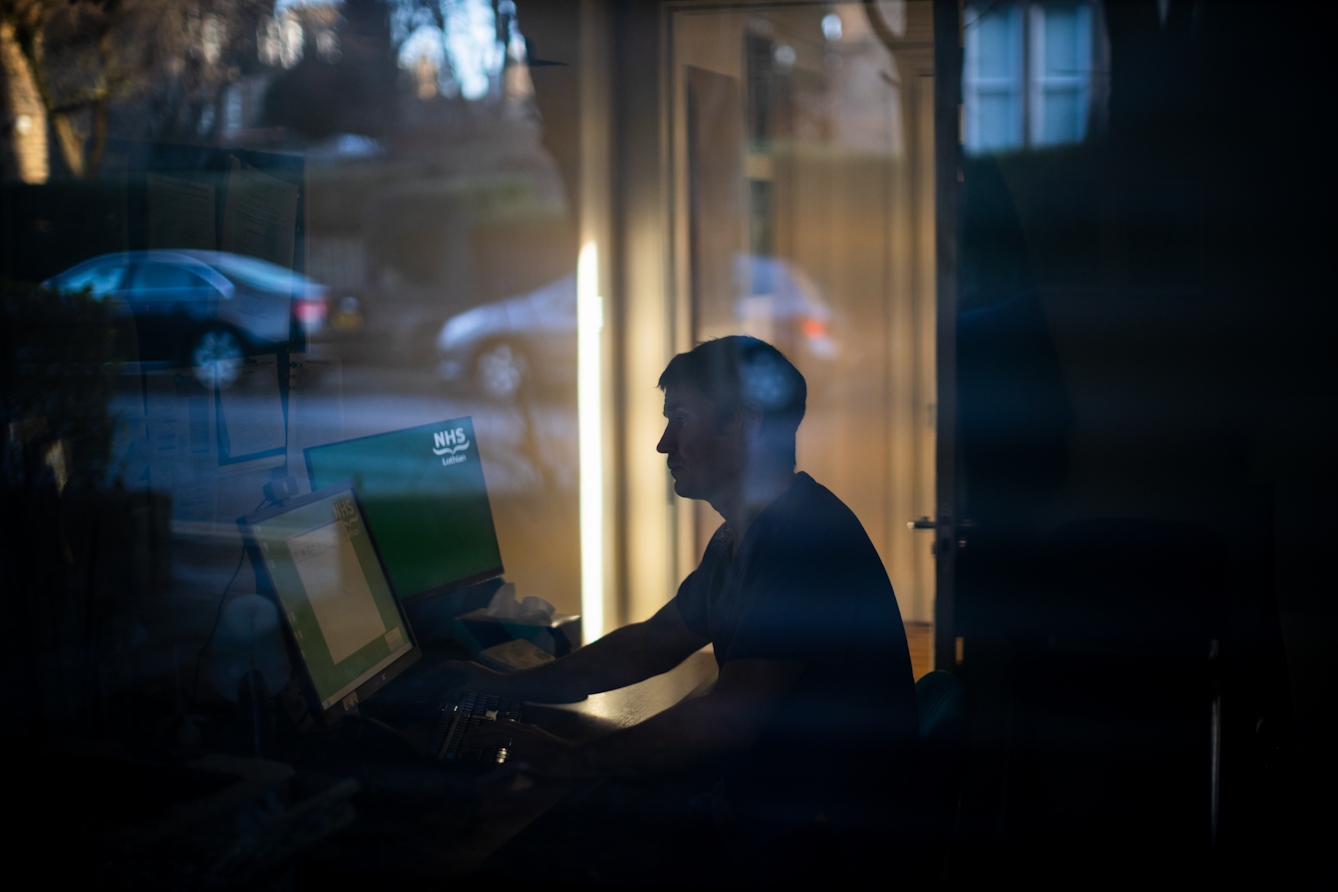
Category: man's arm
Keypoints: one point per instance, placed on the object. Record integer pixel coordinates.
(727, 719)
(625, 656)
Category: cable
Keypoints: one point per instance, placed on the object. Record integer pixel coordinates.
(218, 614)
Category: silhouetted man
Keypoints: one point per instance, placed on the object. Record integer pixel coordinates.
(812, 720)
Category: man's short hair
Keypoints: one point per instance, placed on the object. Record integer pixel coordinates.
(733, 370)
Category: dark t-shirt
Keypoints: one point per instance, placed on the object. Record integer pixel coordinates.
(806, 585)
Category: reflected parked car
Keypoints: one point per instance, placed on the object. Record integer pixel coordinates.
(778, 302)
(203, 309)
(498, 348)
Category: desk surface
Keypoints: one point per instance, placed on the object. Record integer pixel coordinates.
(602, 713)
(506, 812)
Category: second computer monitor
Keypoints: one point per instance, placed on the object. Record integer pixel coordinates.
(425, 498)
(347, 629)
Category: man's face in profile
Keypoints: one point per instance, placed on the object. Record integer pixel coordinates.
(704, 458)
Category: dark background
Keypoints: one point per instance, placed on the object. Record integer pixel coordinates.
(1146, 370)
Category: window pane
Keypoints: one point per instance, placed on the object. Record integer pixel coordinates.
(997, 44)
(1064, 116)
(102, 280)
(164, 275)
(259, 274)
(1062, 56)
(1060, 70)
(998, 120)
(993, 78)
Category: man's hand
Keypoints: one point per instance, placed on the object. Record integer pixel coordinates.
(623, 657)
(532, 750)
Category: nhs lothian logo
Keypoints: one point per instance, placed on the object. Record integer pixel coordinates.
(451, 446)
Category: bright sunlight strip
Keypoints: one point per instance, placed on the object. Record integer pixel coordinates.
(589, 420)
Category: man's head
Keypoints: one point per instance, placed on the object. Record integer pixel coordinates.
(732, 406)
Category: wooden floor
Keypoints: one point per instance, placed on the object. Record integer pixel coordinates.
(920, 639)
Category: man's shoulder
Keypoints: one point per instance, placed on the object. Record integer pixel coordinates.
(813, 507)
(812, 523)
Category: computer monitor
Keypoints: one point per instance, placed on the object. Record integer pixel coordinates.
(423, 490)
(346, 626)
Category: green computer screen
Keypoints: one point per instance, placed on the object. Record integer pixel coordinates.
(423, 491)
(330, 583)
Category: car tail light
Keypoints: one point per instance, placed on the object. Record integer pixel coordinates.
(813, 328)
(311, 311)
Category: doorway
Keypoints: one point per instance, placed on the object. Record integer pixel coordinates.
(802, 172)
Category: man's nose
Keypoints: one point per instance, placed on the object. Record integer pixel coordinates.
(665, 446)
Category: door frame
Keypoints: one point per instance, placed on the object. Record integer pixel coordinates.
(948, 184)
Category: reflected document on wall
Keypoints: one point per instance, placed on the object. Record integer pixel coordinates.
(181, 213)
(259, 215)
(251, 420)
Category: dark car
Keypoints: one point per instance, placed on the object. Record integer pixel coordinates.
(203, 309)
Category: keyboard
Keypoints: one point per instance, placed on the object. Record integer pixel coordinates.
(456, 720)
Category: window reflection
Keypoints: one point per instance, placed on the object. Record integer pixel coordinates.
(302, 223)
(286, 230)
(1032, 75)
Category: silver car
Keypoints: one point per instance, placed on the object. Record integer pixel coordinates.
(498, 347)
(501, 347)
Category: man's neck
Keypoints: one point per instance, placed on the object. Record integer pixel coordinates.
(743, 503)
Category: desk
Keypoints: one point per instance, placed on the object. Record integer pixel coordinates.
(505, 812)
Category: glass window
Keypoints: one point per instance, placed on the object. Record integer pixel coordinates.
(259, 274)
(1027, 86)
(1061, 73)
(101, 280)
(992, 83)
(164, 277)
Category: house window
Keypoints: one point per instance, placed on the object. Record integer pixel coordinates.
(1027, 78)
(992, 86)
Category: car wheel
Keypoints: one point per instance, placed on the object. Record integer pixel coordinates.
(500, 371)
(216, 357)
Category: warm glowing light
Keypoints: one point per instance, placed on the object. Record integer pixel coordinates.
(589, 420)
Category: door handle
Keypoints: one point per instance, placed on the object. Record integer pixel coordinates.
(928, 523)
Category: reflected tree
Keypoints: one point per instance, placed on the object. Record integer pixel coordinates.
(67, 62)
(346, 79)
